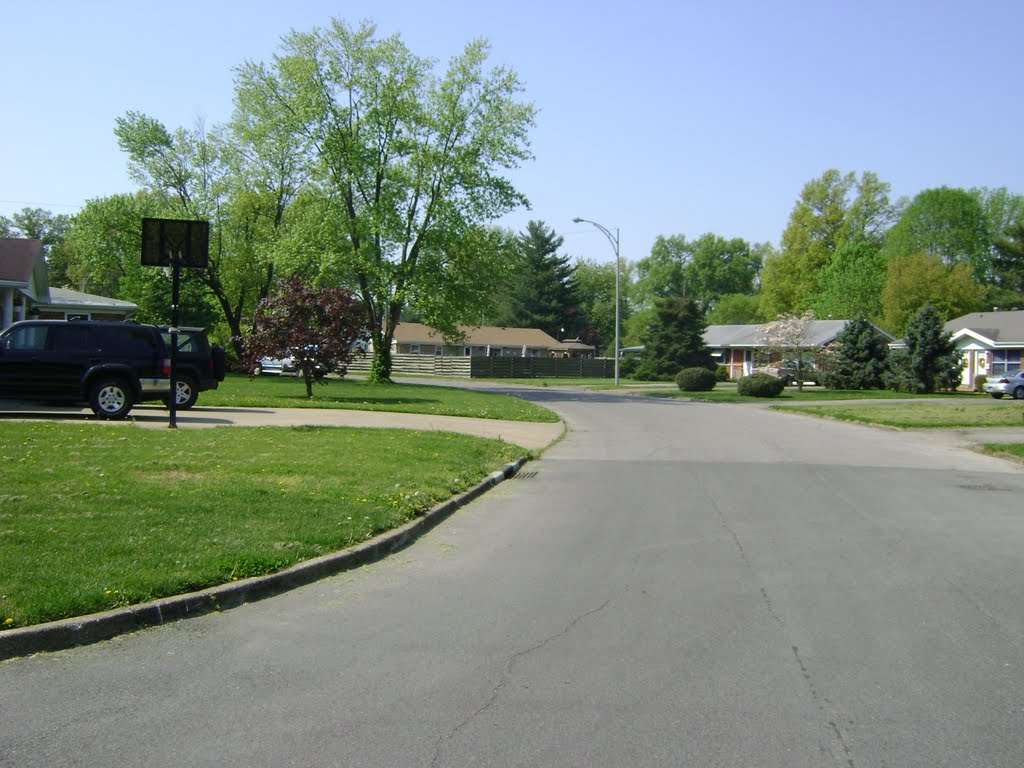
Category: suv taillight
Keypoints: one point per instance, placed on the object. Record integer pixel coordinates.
(165, 366)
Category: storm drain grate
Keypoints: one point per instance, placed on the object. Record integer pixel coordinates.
(524, 476)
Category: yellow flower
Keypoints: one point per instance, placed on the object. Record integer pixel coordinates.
(8, 621)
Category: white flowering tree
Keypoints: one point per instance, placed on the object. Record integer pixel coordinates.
(788, 338)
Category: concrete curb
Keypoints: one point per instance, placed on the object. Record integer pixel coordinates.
(68, 633)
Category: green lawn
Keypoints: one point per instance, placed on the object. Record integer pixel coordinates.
(239, 391)
(726, 393)
(94, 516)
(970, 412)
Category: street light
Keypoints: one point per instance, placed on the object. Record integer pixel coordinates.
(614, 240)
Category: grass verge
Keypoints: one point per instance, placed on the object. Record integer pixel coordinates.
(726, 393)
(922, 414)
(95, 516)
(239, 391)
(1005, 450)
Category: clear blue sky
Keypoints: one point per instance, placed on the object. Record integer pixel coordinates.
(656, 117)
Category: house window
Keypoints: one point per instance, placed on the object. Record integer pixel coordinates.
(414, 349)
(1004, 360)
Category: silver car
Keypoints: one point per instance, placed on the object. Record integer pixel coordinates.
(1009, 383)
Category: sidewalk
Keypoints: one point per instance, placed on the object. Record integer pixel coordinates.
(533, 436)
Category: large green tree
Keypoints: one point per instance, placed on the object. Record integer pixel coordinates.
(102, 250)
(1008, 264)
(832, 210)
(409, 162)
(674, 340)
(945, 222)
(541, 291)
(916, 279)
(241, 177)
(851, 283)
(705, 269)
(594, 284)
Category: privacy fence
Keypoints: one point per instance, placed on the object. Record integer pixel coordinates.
(493, 367)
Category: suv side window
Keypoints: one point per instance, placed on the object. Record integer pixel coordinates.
(71, 339)
(27, 338)
(126, 340)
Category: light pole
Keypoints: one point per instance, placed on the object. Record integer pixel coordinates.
(614, 240)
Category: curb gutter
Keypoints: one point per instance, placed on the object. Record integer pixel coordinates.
(68, 633)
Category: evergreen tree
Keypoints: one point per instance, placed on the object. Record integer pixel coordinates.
(860, 357)
(930, 360)
(543, 294)
(675, 340)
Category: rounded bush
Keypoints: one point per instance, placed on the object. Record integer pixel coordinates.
(696, 380)
(721, 373)
(979, 382)
(760, 385)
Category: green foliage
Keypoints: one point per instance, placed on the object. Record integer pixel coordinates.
(696, 380)
(721, 373)
(859, 358)
(851, 283)
(1008, 263)
(316, 327)
(916, 279)
(412, 163)
(102, 250)
(675, 340)
(734, 309)
(979, 382)
(833, 210)
(930, 360)
(947, 223)
(541, 291)
(594, 285)
(760, 385)
(704, 269)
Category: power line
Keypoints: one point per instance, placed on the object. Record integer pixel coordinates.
(39, 204)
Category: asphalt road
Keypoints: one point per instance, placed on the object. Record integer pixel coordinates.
(673, 584)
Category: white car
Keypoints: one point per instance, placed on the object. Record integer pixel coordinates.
(1009, 383)
(275, 366)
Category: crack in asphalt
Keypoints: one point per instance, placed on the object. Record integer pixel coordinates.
(506, 672)
(823, 704)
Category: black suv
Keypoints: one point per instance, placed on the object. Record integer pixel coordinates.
(199, 366)
(109, 366)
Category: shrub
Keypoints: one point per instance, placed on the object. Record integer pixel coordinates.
(696, 380)
(979, 382)
(760, 385)
(721, 373)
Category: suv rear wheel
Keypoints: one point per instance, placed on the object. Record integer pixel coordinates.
(110, 398)
(188, 393)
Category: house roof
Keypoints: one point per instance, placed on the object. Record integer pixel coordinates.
(18, 258)
(68, 299)
(23, 267)
(819, 333)
(1001, 328)
(477, 336)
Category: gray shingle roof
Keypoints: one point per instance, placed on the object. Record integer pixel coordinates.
(1002, 327)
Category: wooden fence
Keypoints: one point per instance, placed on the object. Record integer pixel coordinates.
(493, 367)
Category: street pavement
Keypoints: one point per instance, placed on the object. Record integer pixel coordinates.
(671, 584)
